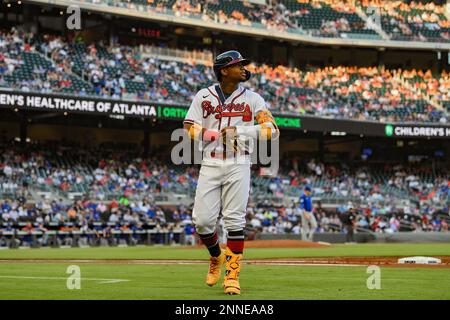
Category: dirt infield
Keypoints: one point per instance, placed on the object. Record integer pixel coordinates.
(284, 244)
(322, 261)
(277, 244)
(305, 261)
(365, 261)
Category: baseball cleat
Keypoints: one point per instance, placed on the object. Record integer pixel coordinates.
(215, 266)
(233, 267)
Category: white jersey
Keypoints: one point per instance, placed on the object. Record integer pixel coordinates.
(212, 111)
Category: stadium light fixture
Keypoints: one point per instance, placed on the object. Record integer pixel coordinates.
(117, 117)
(338, 133)
(17, 139)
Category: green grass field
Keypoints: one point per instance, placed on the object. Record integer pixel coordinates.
(108, 280)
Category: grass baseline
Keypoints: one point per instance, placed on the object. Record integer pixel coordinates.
(180, 282)
(187, 253)
(261, 282)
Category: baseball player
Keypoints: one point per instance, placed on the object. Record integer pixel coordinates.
(222, 117)
(309, 223)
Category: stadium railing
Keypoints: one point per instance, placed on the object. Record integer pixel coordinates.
(182, 55)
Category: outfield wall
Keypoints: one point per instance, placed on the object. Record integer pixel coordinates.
(324, 237)
(414, 237)
(366, 237)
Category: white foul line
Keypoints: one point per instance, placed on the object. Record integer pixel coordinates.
(102, 281)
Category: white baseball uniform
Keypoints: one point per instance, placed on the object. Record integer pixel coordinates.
(224, 183)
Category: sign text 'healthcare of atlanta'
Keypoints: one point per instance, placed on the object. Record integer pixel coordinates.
(82, 104)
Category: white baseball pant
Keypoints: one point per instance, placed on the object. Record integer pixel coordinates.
(221, 188)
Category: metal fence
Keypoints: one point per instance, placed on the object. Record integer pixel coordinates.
(76, 238)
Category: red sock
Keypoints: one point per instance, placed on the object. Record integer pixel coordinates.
(235, 241)
(236, 246)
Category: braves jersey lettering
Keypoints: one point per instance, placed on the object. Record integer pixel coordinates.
(239, 109)
(230, 110)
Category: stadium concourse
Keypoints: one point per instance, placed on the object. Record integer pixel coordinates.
(120, 188)
(53, 64)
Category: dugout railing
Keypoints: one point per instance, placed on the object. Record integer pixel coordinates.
(90, 238)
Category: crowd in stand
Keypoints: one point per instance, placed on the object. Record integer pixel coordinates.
(335, 27)
(29, 77)
(410, 20)
(369, 93)
(402, 20)
(364, 93)
(376, 185)
(272, 17)
(377, 192)
(281, 220)
(101, 170)
(97, 220)
(437, 88)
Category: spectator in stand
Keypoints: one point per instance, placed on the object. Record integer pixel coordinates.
(374, 94)
(348, 220)
(125, 169)
(28, 239)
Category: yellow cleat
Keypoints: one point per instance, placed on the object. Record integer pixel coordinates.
(233, 268)
(215, 266)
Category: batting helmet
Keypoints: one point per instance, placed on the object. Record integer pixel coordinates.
(227, 59)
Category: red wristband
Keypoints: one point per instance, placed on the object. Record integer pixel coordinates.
(210, 135)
